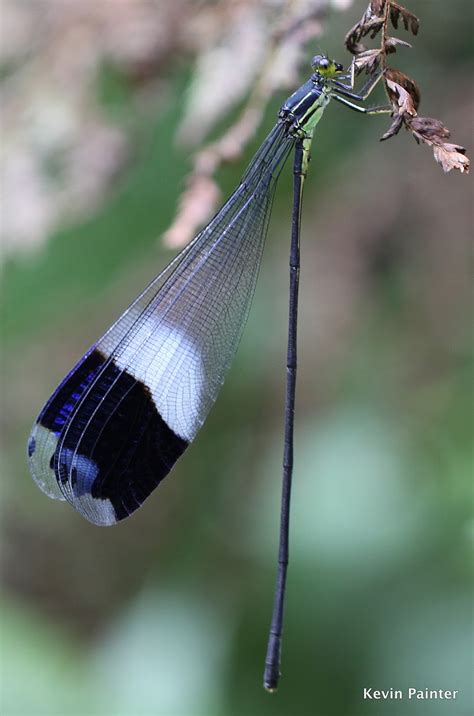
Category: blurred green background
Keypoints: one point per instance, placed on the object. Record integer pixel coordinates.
(167, 613)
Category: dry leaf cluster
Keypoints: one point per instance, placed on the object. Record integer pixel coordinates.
(402, 91)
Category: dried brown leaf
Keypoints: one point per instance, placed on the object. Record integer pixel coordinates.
(402, 101)
(391, 43)
(404, 96)
(394, 128)
(377, 6)
(371, 22)
(451, 156)
(407, 84)
(410, 21)
(434, 133)
(373, 27)
(356, 48)
(429, 129)
(374, 19)
(368, 61)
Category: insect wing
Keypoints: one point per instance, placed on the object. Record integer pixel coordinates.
(119, 421)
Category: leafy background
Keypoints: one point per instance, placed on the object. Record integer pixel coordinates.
(167, 613)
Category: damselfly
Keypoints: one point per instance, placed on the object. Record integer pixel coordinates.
(118, 422)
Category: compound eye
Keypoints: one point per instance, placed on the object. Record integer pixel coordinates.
(316, 61)
(324, 63)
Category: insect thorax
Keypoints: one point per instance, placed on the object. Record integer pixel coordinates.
(304, 108)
